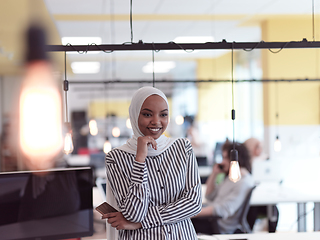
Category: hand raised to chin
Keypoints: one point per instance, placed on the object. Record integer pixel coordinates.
(142, 147)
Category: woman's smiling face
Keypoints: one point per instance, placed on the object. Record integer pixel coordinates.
(154, 116)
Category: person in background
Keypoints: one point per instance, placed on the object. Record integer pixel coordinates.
(154, 179)
(226, 198)
(255, 148)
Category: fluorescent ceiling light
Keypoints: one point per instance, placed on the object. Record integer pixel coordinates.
(193, 39)
(85, 67)
(189, 39)
(159, 67)
(82, 41)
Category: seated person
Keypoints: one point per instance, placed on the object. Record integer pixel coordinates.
(255, 149)
(225, 199)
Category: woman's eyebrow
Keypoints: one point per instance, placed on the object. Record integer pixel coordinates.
(146, 109)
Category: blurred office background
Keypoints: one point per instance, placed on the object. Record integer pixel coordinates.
(264, 109)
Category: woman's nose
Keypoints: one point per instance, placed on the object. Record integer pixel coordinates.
(155, 120)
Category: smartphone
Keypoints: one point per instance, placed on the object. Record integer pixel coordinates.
(220, 166)
(105, 208)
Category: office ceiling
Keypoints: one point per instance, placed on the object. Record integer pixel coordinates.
(162, 21)
(158, 21)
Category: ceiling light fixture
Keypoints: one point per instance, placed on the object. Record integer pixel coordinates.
(107, 144)
(277, 143)
(68, 143)
(234, 170)
(81, 40)
(159, 67)
(128, 123)
(40, 119)
(93, 127)
(179, 120)
(85, 67)
(116, 132)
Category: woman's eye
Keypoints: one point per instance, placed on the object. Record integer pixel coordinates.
(146, 114)
(164, 115)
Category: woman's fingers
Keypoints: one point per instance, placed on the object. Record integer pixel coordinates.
(142, 147)
(152, 142)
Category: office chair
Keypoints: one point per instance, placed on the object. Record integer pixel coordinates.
(209, 225)
(245, 208)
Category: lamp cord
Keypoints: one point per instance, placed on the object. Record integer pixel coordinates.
(66, 85)
(153, 75)
(233, 112)
(106, 110)
(131, 21)
(313, 37)
(112, 33)
(277, 109)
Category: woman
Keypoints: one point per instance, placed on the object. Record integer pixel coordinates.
(154, 179)
(226, 198)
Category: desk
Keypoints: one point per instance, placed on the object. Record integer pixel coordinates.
(266, 236)
(272, 193)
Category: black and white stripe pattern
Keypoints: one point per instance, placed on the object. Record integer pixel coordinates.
(162, 193)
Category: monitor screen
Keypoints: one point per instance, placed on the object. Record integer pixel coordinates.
(52, 204)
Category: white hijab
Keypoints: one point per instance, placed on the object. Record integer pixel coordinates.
(163, 142)
(138, 99)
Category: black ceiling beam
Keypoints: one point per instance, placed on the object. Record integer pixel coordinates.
(140, 46)
(192, 81)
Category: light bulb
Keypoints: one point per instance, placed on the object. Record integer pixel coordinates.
(40, 108)
(128, 123)
(93, 127)
(68, 144)
(234, 171)
(116, 132)
(179, 120)
(107, 146)
(277, 145)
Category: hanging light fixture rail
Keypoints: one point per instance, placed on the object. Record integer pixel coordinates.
(193, 81)
(140, 46)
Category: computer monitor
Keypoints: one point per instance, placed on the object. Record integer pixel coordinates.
(267, 171)
(217, 154)
(202, 160)
(51, 204)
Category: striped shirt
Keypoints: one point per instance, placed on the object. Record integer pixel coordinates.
(162, 193)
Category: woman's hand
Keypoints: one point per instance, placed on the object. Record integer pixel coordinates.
(117, 221)
(211, 180)
(216, 169)
(142, 147)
